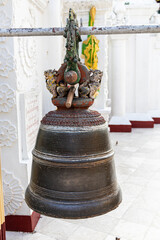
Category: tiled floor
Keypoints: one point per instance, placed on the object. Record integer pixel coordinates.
(137, 159)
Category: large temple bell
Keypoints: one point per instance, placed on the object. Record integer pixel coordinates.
(73, 172)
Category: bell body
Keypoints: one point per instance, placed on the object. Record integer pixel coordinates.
(73, 172)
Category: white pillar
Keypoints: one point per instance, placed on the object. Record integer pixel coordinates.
(141, 76)
(142, 73)
(130, 97)
(117, 72)
(117, 82)
(118, 75)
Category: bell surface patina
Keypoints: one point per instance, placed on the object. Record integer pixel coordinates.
(73, 172)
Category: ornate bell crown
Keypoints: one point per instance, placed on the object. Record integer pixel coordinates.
(73, 74)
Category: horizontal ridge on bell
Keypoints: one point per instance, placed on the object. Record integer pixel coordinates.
(73, 117)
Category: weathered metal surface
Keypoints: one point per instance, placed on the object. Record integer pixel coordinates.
(57, 31)
(73, 172)
(77, 102)
(71, 77)
(127, 29)
(60, 73)
(25, 32)
(72, 117)
(84, 73)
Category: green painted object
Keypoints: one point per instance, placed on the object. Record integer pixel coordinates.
(90, 47)
(72, 45)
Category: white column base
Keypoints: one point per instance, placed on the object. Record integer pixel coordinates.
(155, 115)
(140, 120)
(120, 124)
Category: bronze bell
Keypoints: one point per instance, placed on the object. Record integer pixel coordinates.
(73, 171)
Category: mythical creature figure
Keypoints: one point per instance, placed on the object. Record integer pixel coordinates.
(50, 76)
(91, 87)
(56, 89)
(95, 82)
(84, 90)
(62, 90)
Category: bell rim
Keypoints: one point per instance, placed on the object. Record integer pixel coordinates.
(87, 209)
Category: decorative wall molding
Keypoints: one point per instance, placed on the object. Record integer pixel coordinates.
(13, 193)
(40, 4)
(29, 19)
(28, 55)
(81, 5)
(105, 74)
(6, 62)
(8, 133)
(7, 98)
(26, 69)
(30, 108)
(142, 3)
(119, 13)
(5, 22)
(144, 10)
(5, 19)
(32, 19)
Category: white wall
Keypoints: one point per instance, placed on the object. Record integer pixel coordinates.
(23, 62)
(140, 84)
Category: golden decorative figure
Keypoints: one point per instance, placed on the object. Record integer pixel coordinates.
(50, 76)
